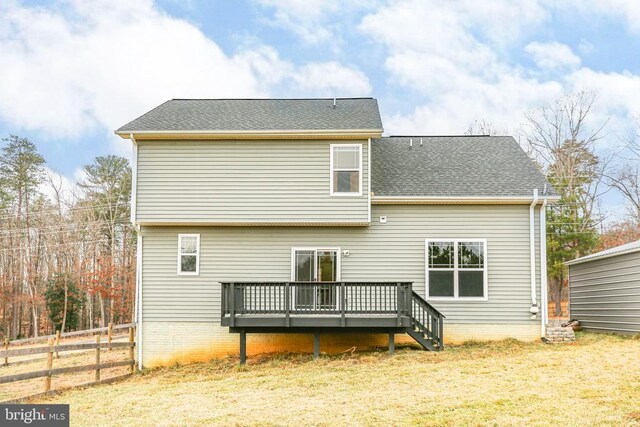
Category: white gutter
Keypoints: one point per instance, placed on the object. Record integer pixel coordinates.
(532, 253)
(134, 179)
(138, 298)
(266, 132)
(383, 200)
(543, 268)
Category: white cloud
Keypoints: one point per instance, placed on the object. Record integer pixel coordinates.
(93, 66)
(332, 79)
(625, 10)
(313, 79)
(314, 21)
(450, 54)
(552, 55)
(457, 57)
(103, 63)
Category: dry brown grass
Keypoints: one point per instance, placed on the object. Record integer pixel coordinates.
(595, 381)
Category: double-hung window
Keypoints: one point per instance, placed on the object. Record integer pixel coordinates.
(346, 170)
(456, 269)
(189, 254)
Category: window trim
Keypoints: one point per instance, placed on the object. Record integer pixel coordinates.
(316, 249)
(332, 193)
(456, 269)
(180, 254)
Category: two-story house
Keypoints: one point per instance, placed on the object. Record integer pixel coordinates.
(293, 225)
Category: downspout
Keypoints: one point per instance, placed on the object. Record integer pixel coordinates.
(134, 179)
(532, 253)
(138, 318)
(543, 268)
(369, 179)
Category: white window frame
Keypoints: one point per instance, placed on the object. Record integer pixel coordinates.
(456, 269)
(316, 249)
(359, 170)
(197, 254)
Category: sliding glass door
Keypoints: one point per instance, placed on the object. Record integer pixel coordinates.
(316, 266)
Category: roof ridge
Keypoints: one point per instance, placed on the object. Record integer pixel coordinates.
(447, 136)
(269, 99)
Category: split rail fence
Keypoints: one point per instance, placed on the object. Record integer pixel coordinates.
(53, 349)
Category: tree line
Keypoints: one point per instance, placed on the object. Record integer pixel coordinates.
(583, 159)
(67, 259)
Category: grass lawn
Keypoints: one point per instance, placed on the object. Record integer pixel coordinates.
(595, 381)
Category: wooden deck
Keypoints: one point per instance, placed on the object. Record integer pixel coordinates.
(269, 307)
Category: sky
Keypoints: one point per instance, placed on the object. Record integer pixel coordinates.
(71, 72)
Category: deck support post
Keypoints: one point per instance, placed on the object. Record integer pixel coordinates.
(316, 344)
(392, 342)
(243, 347)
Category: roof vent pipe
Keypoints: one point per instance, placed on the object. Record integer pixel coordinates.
(421, 142)
(410, 142)
(334, 103)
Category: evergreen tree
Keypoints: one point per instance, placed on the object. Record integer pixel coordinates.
(63, 302)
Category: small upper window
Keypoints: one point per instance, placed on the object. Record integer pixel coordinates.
(188, 254)
(346, 169)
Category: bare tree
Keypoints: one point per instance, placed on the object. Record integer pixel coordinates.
(564, 146)
(626, 179)
(484, 127)
(556, 134)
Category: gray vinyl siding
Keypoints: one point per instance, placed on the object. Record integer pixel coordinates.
(394, 251)
(605, 293)
(243, 181)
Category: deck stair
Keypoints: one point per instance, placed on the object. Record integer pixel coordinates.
(426, 324)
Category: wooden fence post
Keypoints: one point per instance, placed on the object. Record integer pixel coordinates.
(57, 344)
(47, 379)
(6, 348)
(97, 378)
(133, 362)
(109, 334)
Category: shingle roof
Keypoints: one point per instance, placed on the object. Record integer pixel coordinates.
(453, 166)
(618, 250)
(259, 114)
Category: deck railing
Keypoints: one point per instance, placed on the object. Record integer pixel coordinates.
(316, 298)
(391, 305)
